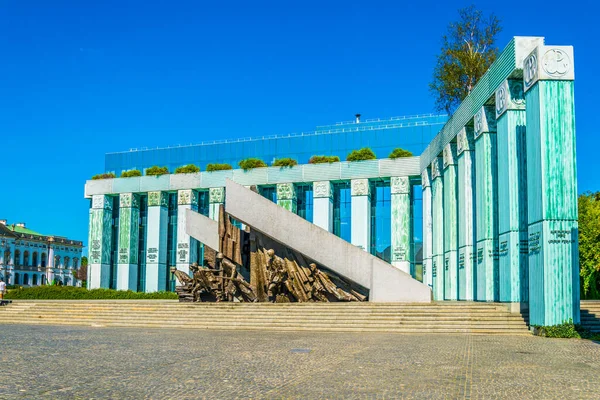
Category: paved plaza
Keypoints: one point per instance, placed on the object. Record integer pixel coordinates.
(68, 362)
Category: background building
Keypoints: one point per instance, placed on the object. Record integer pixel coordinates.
(28, 258)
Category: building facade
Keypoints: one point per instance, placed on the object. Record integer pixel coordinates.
(489, 203)
(28, 258)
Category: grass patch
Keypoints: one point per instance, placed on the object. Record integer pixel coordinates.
(76, 293)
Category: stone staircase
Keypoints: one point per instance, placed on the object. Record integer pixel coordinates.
(590, 315)
(443, 317)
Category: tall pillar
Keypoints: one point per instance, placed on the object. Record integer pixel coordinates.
(437, 230)
(100, 239)
(323, 205)
(187, 246)
(512, 192)
(129, 217)
(216, 197)
(360, 230)
(51, 262)
(551, 186)
(427, 227)
(486, 195)
(401, 222)
(286, 197)
(156, 241)
(450, 223)
(466, 214)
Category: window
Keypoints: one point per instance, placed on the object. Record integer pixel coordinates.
(381, 220)
(342, 212)
(304, 206)
(268, 192)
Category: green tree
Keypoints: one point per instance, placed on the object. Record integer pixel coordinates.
(589, 244)
(218, 167)
(81, 273)
(187, 169)
(399, 153)
(468, 50)
(361, 155)
(157, 171)
(285, 162)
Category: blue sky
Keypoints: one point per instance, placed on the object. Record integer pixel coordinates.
(79, 79)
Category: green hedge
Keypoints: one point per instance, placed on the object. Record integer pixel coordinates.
(323, 159)
(187, 169)
(131, 174)
(361, 155)
(156, 171)
(76, 293)
(251, 163)
(110, 175)
(565, 330)
(218, 167)
(398, 153)
(285, 162)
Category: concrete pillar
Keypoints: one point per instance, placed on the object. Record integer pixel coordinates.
(51, 262)
(450, 223)
(323, 205)
(401, 222)
(486, 195)
(156, 241)
(187, 247)
(548, 75)
(427, 227)
(437, 230)
(129, 217)
(512, 192)
(465, 147)
(286, 196)
(100, 239)
(216, 197)
(360, 231)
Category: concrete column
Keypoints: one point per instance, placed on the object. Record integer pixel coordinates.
(100, 239)
(187, 247)
(361, 213)
(548, 75)
(11, 260)
(465, 147)
(486, 195)
(129, 217)
(156, 241)
(323, 205)
(512, 192)
(450, 223)
(216, 197)
(427, 227)
(437, 230)
(286, 196)
(51, 262)
(401, 223)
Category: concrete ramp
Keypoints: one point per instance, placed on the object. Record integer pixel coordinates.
(203, 229)
(385, 282)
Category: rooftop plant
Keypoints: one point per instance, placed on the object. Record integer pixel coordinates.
(398, 152)
(130, 174)
(361, 155)
(109, 175)
(285, 162)
(187, 169)
(251, 163)
(156, 170)
(218, 167)
(323, 159)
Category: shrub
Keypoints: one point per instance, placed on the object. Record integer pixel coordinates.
(565, 330)
(110, 175)
(156, 171)
(285, 162)
(251, 163)
(398, 153)
(323, 159)
(360, 155)
(218, 167)
(187, 169)
(48, 292)
(131, 174)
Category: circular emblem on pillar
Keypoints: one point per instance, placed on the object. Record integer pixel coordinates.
(530, 72)
(556, 63)
(322, 189)
(285, 191)
(360, 187)
(501, 99)
(516, 92)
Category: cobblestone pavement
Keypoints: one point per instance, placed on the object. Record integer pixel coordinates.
(69, 362)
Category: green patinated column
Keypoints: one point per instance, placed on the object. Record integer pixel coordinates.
(286, 196)
(187, 246)
(486, 210)
(100, 239)
(467, 239)
(450, 223)
(437, 229)
(156, 241)
(401, 222)
(129, 219)
(512, 192)
(427, 228)
(548, 76)
(216, 197)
